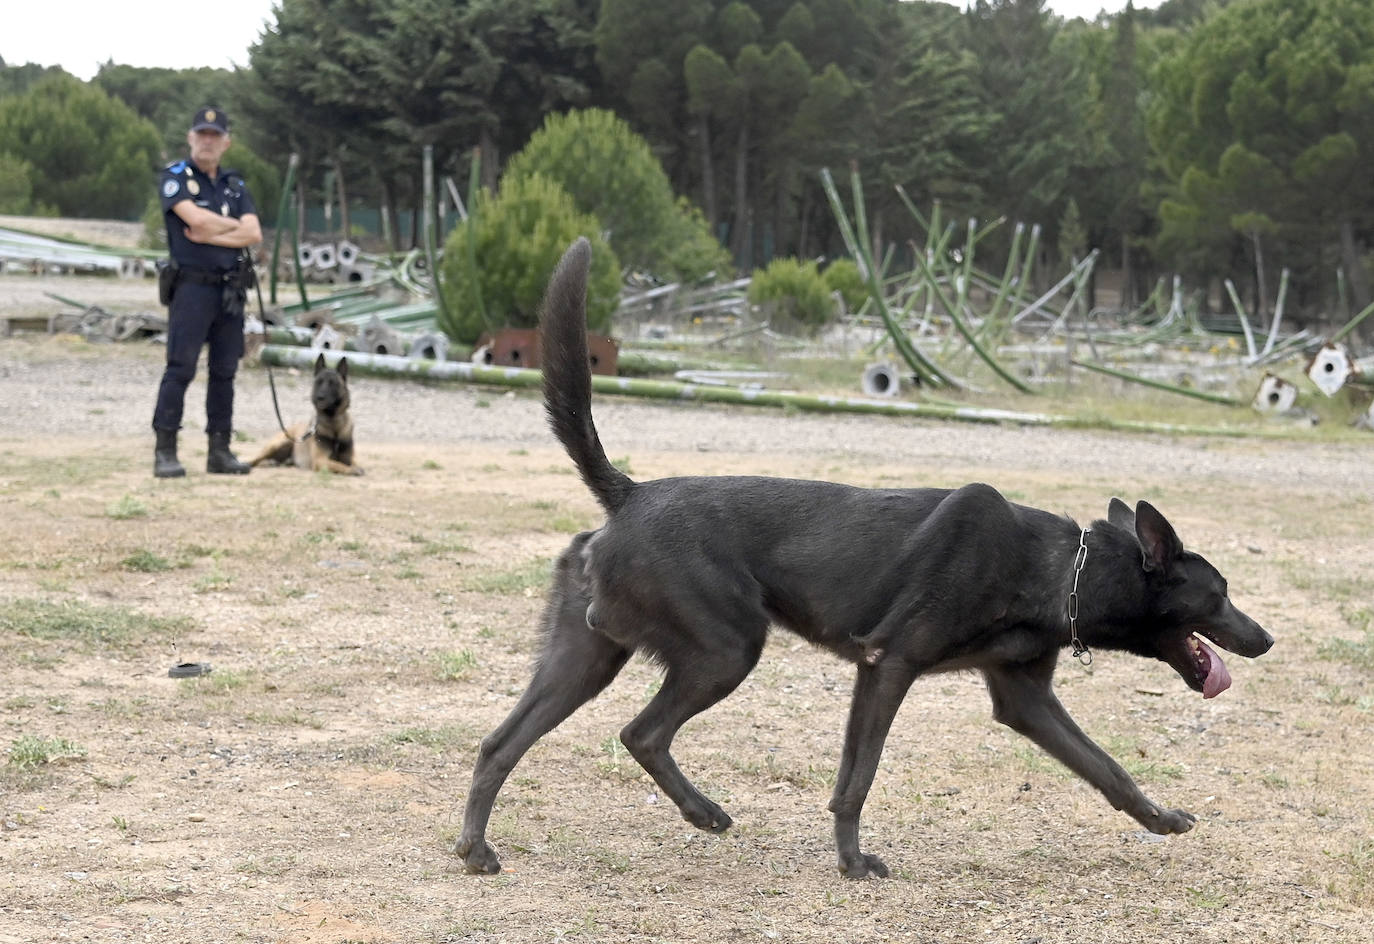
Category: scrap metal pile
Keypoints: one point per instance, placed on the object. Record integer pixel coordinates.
(947, 315)
(34, 253)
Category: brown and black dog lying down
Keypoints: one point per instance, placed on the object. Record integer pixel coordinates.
(693, 571)
(326, 442)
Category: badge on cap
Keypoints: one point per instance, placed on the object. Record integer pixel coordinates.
(170, 187)
(209, 114)
(194, 187)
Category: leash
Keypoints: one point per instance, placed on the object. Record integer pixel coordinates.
(1080, 652)
(271, 382)
(310, 431)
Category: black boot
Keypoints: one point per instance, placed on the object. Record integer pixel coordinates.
(165, 464)
(220, 460)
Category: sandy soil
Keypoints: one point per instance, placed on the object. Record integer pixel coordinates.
(366, 633)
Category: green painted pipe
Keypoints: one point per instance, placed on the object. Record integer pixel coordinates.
(282, 207)
(1158, 385)
(952, 311)
(1352, 324)
(474, 187)
(388, 365)
(431, 254)
(331, 298)
(1240, 313)
(857, 244)
(296, 252)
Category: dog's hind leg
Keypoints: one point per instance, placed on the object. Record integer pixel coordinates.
(1023, 700)
(575, 666)
(878, 693)
(696, 679)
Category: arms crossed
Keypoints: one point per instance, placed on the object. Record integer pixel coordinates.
(203, 226)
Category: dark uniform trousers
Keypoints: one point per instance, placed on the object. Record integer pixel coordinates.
(199, 314)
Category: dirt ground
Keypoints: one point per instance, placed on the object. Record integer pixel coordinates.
(366, 633)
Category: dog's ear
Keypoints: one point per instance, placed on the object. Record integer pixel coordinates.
(1158, 542)
(319, 363)
(343, 368)
(1119, 513)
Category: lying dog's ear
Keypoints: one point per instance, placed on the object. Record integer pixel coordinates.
(1119, 513)
(343, 368)
(319, 363)
(1158, 542)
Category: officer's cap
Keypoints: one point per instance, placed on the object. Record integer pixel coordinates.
(211, 119)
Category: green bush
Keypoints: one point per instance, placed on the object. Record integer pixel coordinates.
(793, 290)
(497, 264)
(16, 186)
(843, 276)
(610, 172)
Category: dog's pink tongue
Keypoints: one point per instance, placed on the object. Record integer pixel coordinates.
(1218, 677)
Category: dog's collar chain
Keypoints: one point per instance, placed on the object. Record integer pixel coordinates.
(1080, 652)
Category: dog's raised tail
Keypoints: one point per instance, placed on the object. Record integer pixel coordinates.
(568, 377)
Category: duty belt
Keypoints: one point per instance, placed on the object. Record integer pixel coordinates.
(205, 276)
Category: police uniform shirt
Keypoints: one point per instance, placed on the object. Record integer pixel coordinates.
(227, 196)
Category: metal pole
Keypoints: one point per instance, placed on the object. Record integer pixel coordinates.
(1158, 385)
(431, 257)
(281, 215)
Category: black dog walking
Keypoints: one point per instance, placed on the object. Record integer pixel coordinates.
(211, 219)
(902, 582)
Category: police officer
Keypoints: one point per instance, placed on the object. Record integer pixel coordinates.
(211, 221)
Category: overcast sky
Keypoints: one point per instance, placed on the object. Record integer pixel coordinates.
(79, 35)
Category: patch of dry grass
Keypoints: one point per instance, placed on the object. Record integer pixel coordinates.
(367, 634)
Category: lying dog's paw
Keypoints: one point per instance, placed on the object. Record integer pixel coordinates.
(479, 858)
(356, 470)
(1168, 822)
(862, 866)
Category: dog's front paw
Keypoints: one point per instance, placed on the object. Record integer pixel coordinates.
(708, 816)
(479, 858)
(1169, 822)
(356, 470)
(862, 865)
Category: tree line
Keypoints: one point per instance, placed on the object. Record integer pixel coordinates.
(1210, 138)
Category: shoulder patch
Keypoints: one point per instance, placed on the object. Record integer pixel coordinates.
(170, 187)
(178, 167)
